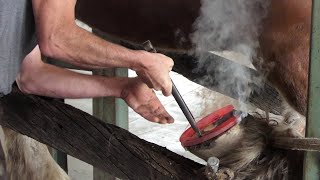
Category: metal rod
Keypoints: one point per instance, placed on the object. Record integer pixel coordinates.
(177, 96)
(312, 159)
(183, 106)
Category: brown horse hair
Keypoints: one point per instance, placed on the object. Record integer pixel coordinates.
(255, 158)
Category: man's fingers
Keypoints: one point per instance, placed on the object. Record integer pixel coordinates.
(162, 118)
(144, 101)
(155, 112)
(155, 119)
(166, 119)
(145, 79)
(170, 119)
(160, 112)
(148, 81)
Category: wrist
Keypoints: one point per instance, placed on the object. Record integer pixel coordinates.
(123, 86)
(114, 86)
(125, 90)
(141, 61)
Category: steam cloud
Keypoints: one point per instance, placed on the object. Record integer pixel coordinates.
(233, 25)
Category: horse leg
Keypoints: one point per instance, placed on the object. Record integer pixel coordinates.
(29, 159)
(3, 173)
(293, 118)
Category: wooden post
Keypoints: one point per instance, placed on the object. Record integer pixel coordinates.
(109, 109)
(312, 159)
(60, 157)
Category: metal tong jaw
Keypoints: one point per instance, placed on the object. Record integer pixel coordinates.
(183, 106)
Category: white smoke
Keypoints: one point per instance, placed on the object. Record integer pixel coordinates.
(233, 25)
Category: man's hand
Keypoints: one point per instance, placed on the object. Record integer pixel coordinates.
(144, 101)
(155, 72)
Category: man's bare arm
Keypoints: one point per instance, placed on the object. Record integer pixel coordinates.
(43, 79)
(36, 77)
(59, 37)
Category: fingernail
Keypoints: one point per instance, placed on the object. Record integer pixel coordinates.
(163, 122)
(169, 120)
(156, 120)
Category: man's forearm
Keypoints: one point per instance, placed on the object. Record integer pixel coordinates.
(38, 78)
(59, 37)
(79, 47)
(62, 83)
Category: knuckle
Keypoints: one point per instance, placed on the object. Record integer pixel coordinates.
(169, 85)
(155, 119)
(158, 110)
(170, 68)
(171, 62)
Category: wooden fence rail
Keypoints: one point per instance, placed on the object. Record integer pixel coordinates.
(85, 137)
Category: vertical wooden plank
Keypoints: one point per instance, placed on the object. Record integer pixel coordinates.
(312, 159)
(111, 110)
(60, 157)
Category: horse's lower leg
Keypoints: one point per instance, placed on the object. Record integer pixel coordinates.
(29, 159)
(3, 173)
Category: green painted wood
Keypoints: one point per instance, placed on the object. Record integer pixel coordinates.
(109, 109)
(312, 159)
(61, 158)
(122, 115)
